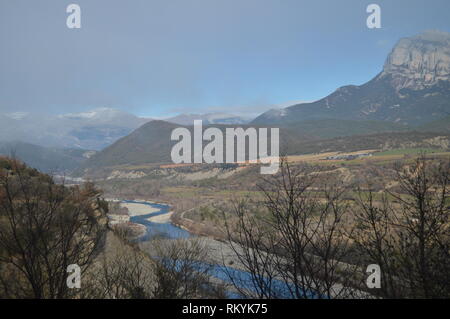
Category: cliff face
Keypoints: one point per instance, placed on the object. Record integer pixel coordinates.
(413, 88)
(420, 61)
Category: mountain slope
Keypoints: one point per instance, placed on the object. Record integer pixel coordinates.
(442, 125)
(382, 141)
(413, 88)
(50, 160)
(330, 128)
(151, 143)
(148, 144)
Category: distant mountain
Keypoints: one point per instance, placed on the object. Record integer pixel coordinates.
(412, 89)
(210, 118)
(151, 144)
(49, 160)
(405, 105)
(95, 129)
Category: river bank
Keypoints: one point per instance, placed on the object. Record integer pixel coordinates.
(138, 209)
(197, 228)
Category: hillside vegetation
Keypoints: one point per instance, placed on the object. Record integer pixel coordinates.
(151, 143)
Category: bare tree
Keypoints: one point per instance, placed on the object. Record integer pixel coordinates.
(122, 272)
(407, 232)
(292, 246)
(182, 270)
(161, 269)
(44, 227)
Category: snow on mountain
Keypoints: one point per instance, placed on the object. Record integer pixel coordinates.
(209, 118)
(17, 115)
(93, 129)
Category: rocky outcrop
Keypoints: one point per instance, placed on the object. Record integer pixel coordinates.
(412, 89)
(420, 61)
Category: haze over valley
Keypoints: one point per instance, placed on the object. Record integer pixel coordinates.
(148, 151)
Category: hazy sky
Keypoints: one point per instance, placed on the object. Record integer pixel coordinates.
(160, 57)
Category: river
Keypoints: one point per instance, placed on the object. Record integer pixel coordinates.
(169, 231)
(161, 230)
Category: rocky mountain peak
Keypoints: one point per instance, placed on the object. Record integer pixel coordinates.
(420, 61)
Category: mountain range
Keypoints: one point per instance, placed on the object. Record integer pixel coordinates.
(412, 89)
(407, 103)
(91, 130)
(151, 144)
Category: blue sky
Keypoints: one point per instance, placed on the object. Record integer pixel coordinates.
(162, 57)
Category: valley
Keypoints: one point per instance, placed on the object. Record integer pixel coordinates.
(158, 209)
(197, 192)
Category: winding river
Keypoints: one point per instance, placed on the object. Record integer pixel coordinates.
(162, 230)
(169, 231)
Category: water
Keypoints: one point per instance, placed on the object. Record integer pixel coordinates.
(241, 278)
(160, 230)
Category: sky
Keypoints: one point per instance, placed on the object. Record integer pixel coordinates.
(158, 58)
